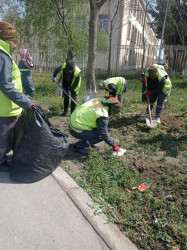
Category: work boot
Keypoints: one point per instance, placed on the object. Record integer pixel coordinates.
(145, 115)
(5, 167)
(64, 114)
(158, 119)
(81, 151)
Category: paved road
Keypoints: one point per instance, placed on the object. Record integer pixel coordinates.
(41, 216)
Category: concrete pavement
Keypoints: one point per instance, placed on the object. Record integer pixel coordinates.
(53, 214)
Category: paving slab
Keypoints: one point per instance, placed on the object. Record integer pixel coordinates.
(41, 216)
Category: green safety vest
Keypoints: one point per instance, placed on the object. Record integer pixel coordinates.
(7, 107)
(23, 70)
(161, 74)
(76, 73)
(119, 82)
(159, 66)
(84, 117)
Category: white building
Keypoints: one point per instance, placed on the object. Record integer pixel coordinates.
(127, 43)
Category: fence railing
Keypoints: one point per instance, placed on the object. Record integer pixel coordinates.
(124, 60)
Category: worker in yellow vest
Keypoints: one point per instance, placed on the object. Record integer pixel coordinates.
(163, 66)
(116, 86)
(89, 123)
(71, 82)
(12, 100)
(158, 87)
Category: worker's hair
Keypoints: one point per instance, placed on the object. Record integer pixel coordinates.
(100, 85)
(7, 32)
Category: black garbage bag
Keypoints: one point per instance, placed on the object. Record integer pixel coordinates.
(38, 147)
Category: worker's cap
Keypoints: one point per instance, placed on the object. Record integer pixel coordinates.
(70, 65)
(7, 32)
(112, 103)
(101, 85)
(153, 71)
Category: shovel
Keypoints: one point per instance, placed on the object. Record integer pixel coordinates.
(150, 123)
(67, 93)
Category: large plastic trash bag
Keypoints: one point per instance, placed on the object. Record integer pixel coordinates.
(38, 147)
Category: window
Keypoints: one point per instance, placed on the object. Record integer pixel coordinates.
(79, 26)
(103, 23)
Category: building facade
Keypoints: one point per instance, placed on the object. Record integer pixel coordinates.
(132, 41)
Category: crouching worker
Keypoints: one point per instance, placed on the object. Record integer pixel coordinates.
(89, 123)
(116, 86)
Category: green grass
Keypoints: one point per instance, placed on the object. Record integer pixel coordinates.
(156, 218)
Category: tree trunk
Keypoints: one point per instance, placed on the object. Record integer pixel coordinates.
(90, 72)
(143, 40)
(110, 52)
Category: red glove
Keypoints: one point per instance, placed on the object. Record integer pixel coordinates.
(116, 148)
(33, 105)
(149, 92)
(107, 97)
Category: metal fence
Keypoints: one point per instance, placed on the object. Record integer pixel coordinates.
(124, 59)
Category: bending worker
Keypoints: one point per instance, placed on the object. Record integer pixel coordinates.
(71, 82)
(89, 123)
(115, 86)
(158, 87)
(162, 66)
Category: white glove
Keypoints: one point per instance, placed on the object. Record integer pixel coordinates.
(120, 152)
(53, 79)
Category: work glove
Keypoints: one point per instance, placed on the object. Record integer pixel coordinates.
(116, 148)
(33, 105)
(69, 92)
(149, 92)
(109, 96)
(120, 152)
(53, 79)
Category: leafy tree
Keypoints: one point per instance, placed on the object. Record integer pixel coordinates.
(114, 12)
(52, 24)
(176, 23)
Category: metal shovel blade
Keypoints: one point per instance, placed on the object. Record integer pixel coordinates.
(151, 123)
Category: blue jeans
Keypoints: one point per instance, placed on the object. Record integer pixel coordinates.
(87, 137)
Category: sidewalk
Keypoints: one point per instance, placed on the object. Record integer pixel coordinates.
(53, 214)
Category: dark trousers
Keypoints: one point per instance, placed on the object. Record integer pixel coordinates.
(87, 137)
(66, 102)
(160, 98)
(28, 85)
(7, 125)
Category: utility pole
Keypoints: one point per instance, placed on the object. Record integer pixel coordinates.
(163, 29)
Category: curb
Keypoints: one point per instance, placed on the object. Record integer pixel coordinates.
(112, 236)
